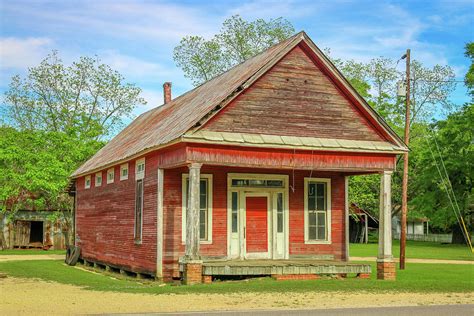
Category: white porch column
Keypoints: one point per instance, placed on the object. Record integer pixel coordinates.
(385, 264)
(192, 213)
(159, 224)
(346, 218)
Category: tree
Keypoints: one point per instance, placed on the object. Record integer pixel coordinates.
(376, 81)
(87, 99)
(34, 170)
(469, 78)
(447, 145)
(56, 118)
(238, 40)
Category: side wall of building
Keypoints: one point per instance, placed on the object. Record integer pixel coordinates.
(105, 219)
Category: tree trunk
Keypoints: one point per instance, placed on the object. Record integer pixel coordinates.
(458, 236)
(3, 242)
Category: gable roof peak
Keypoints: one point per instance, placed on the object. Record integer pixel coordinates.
(169, 122)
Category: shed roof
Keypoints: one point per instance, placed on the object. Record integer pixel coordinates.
(169, 122)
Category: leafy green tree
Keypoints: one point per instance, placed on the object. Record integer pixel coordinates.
(376, 81)
(34, 169)
(238, 40)
(87, 99)
(447, 146)
(56, 118)
(469, 78)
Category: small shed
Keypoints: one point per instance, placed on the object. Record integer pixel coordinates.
(360, 223)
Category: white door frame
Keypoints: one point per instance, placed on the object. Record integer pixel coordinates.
(237, 251)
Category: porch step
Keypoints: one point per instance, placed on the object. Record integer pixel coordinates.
(281, 267)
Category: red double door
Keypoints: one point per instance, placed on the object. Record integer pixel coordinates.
(256, 224)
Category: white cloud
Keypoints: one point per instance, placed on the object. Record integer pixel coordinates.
(132, 67)
(131, 19)
(21, 53)
(275, 8)
(153, 98)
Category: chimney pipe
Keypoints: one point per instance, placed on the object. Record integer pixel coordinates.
(167, 92)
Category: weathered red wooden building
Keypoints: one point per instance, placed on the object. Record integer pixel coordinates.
(245, 174)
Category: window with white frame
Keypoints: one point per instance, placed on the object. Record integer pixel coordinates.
(98, 179)
(87, 182)
(110, 175)
(317, 195)
(138, 211)
(140, 169)
(205, 207)
(124, 171)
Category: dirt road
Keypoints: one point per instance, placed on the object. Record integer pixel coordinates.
(26, 296)
(4, 258)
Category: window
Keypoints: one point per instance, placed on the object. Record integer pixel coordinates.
(87, 182)
(317, 210)
(235, 210)
(110, 175)
(124, 172)
(98, 179)
(205, 207)
(140, 169)
(279, 210)
(138, 211)
(257, 183)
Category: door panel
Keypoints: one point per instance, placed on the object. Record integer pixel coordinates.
(256, 224)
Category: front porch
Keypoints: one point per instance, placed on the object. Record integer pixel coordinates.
(249, 217)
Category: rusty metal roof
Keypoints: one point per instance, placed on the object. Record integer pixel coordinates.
(169, 122)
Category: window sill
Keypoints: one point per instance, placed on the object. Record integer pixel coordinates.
(137, 242)
(202, 242)
(318, 242)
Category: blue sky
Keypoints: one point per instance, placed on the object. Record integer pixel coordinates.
(137, 37)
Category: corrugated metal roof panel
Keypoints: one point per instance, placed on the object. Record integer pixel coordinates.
(310, 143)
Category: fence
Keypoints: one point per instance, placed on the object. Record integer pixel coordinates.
(444, 238)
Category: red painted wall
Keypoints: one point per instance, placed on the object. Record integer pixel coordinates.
(105, 220)
(174, 248)
(105, 217)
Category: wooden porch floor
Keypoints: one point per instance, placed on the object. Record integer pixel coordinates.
(281, 267)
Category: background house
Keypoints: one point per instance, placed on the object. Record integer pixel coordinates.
(35, 229)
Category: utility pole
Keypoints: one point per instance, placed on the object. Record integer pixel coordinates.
(403, 236)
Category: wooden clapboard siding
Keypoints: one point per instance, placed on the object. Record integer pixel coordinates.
(294, 98)
(105, 218)
(174, 247)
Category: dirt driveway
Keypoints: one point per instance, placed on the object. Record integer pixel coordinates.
(4, 258)
(26, 296)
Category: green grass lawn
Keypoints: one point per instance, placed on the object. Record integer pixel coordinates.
(416, 249)
(31, 252)
(416, 278)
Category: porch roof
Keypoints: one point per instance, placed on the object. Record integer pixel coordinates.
(292, 142)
